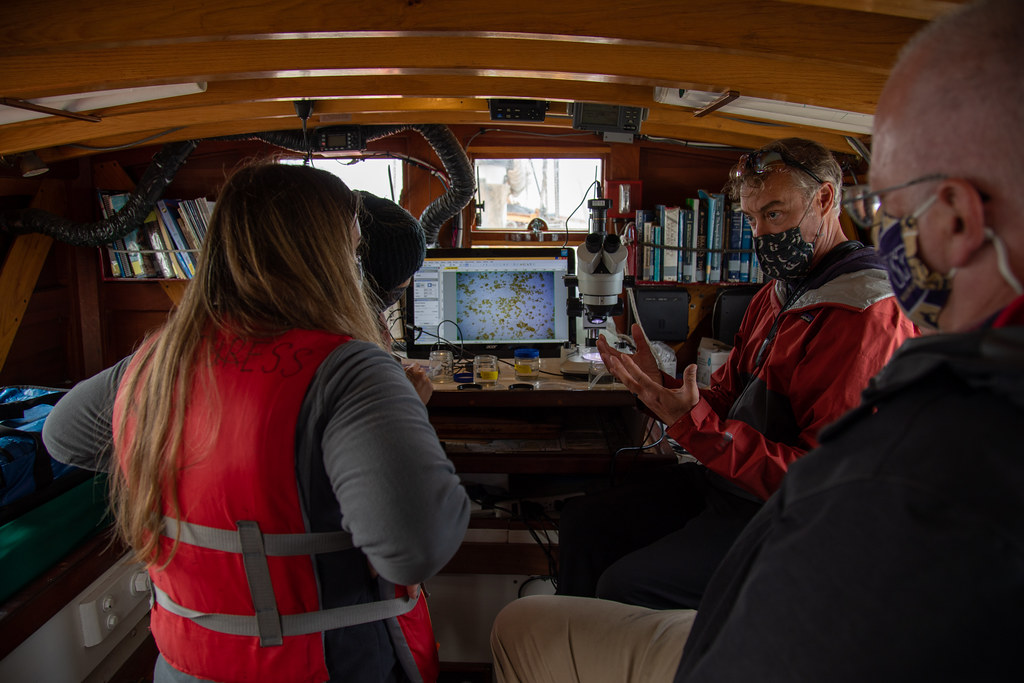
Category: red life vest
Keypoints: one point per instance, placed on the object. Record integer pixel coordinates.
(238, 492)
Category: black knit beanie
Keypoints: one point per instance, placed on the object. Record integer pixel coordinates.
(392, 247)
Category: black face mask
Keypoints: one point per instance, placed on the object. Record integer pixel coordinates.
(785, 255)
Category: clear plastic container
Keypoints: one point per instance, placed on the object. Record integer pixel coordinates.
(527, 363)
(485, 369)
(442, 365)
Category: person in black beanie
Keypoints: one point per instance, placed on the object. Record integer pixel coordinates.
(392, 248)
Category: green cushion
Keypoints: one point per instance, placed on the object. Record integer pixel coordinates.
(36, 540)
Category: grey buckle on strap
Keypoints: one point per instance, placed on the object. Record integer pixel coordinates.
(276, 545)
(291, 624)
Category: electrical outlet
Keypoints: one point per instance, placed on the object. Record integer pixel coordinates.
(117, 594)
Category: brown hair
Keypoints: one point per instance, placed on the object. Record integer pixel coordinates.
(279, 254)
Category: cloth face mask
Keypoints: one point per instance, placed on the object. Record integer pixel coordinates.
(786, 255)
(922, 292)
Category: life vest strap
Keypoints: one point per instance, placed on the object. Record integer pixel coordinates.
(267, 623)
(257, 574)
(291, 624)
(276, 545)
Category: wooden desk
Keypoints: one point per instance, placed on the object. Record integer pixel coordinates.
(540, 431)
(538, 434)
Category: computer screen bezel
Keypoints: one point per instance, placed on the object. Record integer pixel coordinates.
(418, 344)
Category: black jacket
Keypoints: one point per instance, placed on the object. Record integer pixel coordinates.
(894, 551)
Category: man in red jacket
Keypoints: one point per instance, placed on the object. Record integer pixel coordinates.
(808, 344)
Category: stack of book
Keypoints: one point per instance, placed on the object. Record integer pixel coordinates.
(706, 239)
(166, 245)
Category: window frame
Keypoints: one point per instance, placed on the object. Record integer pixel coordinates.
(555, 233)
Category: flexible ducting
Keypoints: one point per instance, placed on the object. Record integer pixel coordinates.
(453, 158)
(456, 165)
(166, 163)
(140, 203)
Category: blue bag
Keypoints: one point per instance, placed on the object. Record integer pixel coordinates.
(26, 469)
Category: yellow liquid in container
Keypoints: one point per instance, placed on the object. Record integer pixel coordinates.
(489, 375)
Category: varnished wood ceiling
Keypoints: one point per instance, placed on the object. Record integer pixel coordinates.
(423, 61)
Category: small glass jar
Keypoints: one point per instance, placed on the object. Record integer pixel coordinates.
(485, 369)
(527, 363)
(442, 365)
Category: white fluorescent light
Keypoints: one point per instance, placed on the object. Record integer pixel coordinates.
(772, 110)
(100, 99)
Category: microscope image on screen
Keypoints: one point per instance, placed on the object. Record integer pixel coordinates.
(484, 300)
(506, 305)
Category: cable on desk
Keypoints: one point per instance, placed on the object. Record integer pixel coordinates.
(454, 347)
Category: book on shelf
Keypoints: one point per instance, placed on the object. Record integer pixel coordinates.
(669, 219)
(141, 264)
(755, 269)
(161, 251)
(700, 239)
(687, 272)
(657, 251)
(645, 250)
(115, 249)
(715, 229)
(172, 254)
(173, 231)
(746, 247)
(189, 228)
(734, 270)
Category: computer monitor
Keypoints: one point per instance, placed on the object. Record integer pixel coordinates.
(491, 300)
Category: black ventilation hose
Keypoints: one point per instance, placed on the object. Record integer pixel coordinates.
(169, 159)
(441, 139)
(456, 165)
(140, 203)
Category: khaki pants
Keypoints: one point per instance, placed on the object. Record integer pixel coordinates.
(563, 639)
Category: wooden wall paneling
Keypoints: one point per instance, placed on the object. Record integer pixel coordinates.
(84, 339)
(39, 352)
(88, 331)
(22, 265)
(174, 289)
(129, 311)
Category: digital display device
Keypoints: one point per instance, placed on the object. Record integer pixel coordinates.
(491, 300)
(606, 117)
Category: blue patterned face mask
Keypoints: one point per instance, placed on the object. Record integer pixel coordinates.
(922, 292)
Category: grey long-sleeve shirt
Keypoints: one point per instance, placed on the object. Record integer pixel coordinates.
(398, 492)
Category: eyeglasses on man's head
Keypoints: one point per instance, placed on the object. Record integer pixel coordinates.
(767, 161)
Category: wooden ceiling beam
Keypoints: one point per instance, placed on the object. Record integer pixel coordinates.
(802, 30)
(927, 10)
(444, 58)
(841, 86)
(249, 117)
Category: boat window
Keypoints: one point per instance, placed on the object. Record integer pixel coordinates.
(381, 176)
(516, 191)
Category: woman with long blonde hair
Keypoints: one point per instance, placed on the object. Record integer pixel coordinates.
(269, 462)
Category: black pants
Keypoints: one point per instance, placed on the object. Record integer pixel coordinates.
(654, 541)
